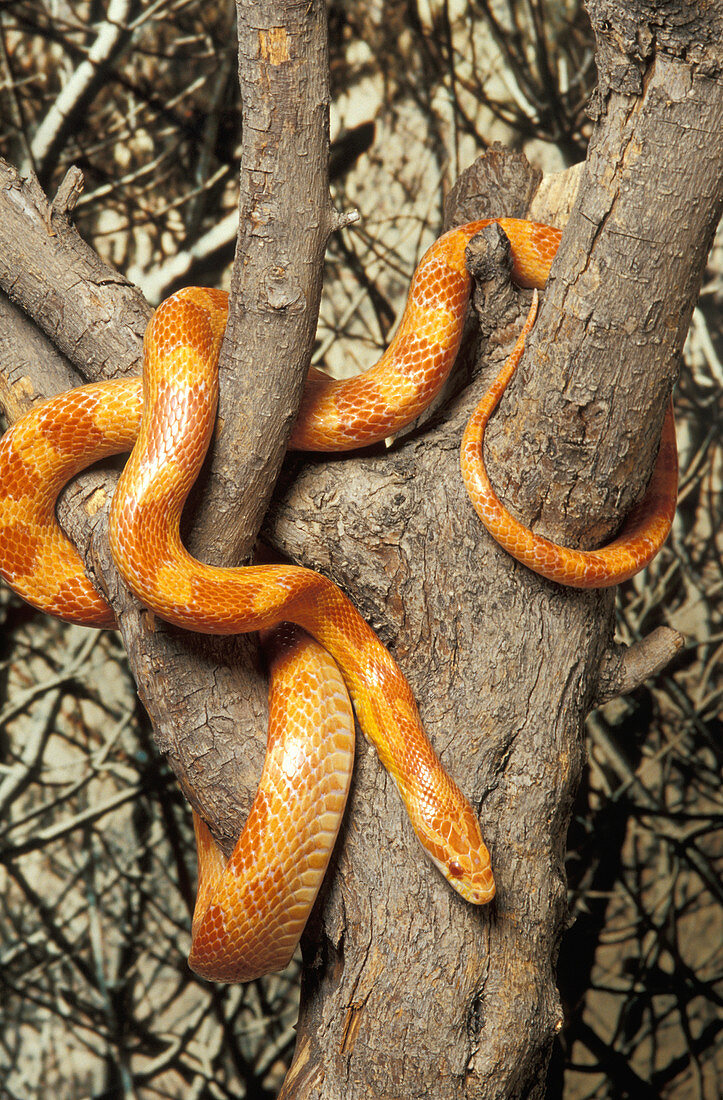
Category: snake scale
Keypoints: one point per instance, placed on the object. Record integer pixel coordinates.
(251, 909)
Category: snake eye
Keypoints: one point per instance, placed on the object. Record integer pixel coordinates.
(454, 869)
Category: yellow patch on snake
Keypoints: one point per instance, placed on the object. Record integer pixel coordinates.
(39, 454)
(167, 578)
(14, 512)
(391, 388)
(263, 601)
(126, 394)
(437, 326)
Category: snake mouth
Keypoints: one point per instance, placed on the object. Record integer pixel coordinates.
(475, 885)
(478, 892)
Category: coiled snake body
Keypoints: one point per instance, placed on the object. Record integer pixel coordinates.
(252, 909)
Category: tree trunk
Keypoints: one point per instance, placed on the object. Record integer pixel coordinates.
(407, 991)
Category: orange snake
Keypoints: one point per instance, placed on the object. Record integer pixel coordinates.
(252, 909)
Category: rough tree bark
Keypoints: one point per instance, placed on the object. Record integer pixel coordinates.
(506, 666)
(206, 696)
(407, 991)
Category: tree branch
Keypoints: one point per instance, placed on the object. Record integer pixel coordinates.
(285, 219)
(505, 665)
(625, 668)
(486, 649)
(607, 344)
(207, 696)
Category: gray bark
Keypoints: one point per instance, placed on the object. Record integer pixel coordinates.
(407, 991)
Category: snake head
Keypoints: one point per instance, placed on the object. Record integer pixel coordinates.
(455, 846)
(471, 877)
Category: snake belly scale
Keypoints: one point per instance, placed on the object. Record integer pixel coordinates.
(252, 908)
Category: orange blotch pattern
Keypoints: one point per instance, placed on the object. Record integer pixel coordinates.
(251, 909)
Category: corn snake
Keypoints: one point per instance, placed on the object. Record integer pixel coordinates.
(250, 913)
